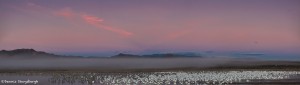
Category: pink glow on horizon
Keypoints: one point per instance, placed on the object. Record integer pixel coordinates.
(177, 34)
(39, 25)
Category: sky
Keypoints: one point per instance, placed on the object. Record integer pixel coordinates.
(108, 27)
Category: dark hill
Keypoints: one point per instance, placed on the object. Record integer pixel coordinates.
(166, 55)
(171, 55)
(25, 52)
(123, 55)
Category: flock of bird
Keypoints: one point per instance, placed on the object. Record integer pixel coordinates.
(173, 78)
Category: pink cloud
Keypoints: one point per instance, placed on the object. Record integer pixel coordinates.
(65, 12)
(98, 22)
(71, 16)
(92, 20)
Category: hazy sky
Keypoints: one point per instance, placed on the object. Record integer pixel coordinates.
(105, 27)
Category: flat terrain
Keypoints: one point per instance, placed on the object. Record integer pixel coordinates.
(140, 64)
(176, 71)
(236, 77)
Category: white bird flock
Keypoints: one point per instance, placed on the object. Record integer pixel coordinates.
(186, 78)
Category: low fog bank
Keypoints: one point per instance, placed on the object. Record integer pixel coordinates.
(118, 64)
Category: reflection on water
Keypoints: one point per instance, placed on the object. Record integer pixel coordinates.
(177, 78)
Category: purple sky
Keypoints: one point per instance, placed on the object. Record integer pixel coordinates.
(145, 26)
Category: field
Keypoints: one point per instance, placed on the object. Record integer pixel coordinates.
(174, 71)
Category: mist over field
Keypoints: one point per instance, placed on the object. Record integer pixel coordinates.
(109, 63)
(118, 64)
(30, 59)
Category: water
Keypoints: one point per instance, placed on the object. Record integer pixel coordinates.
(153, 78)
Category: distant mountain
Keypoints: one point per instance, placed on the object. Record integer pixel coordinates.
(23, 52)
(253, 54)
(26, 53)
(123, 55)
(31, 53)
(171, 55)
(164, 55)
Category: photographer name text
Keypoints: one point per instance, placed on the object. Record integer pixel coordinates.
(19, 81)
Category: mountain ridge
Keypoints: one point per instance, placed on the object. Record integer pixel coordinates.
(33, 53)
(161, 55)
